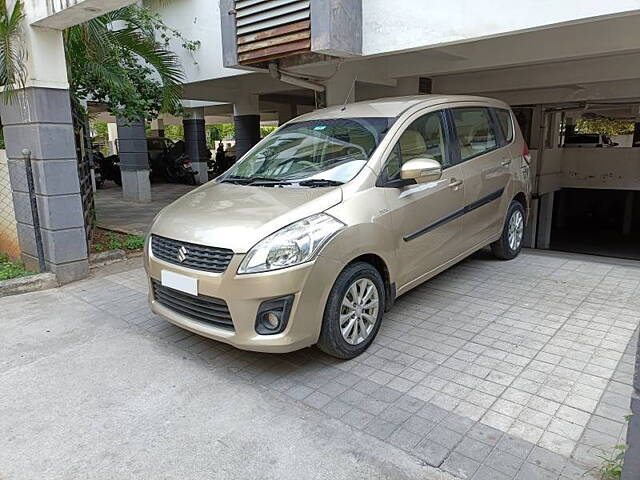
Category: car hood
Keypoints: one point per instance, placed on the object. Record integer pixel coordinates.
(234, 216)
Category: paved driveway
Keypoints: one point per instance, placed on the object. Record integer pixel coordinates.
(492, 370)
(115, 213)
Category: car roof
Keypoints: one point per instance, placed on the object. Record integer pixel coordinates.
(393, 106)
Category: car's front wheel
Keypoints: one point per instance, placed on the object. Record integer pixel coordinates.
(353, 312)
(509, 244)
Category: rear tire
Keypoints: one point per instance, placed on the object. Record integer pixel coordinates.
(509, 244)
(357, 300)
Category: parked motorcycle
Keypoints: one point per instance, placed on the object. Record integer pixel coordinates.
(110, 169)
(96, 165)
(176, 165)
(167, 161)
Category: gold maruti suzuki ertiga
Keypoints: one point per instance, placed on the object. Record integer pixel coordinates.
(312, 235)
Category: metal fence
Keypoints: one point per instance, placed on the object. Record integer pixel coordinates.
(8, 232)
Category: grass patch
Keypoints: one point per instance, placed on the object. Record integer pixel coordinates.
(107, 240)
(611, 466)
(10, 269)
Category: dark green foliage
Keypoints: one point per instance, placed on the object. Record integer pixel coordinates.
(122, 59)
(10, 269)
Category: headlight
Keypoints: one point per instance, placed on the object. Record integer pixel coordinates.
(293, 245)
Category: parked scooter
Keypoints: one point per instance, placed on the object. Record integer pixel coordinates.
(176, 165)
(109, 168)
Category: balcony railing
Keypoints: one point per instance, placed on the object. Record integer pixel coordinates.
(61, 14)
(55, 6)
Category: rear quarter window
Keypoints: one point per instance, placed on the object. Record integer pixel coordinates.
(506, 123)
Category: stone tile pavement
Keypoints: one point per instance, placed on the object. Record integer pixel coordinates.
(492, 370)
(114, 213)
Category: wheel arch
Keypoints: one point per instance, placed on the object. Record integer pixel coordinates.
(379, 264)
(522, 199)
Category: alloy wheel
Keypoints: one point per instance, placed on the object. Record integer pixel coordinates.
(515, 230)
(359, 311)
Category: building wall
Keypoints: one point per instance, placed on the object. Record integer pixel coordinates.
(196, 20)
(411, 24)
(8, 232)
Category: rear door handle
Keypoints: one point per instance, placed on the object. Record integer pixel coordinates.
(506, 163)
(455, 183)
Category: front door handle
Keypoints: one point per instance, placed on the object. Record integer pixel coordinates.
(506, 163)
(455, 183)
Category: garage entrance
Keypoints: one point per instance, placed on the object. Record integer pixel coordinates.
(598, 222)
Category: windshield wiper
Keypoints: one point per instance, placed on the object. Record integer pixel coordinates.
(267, 182)
(238, 180)
(258, 181)
(320, 182)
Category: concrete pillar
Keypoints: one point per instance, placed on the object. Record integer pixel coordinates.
(157, 127)
(40, 120)
(112, 131)
(286, 112)
(636, 135)
(134, 161)
(545, 218)
(195, 142)
(246, 118)
(530, 231)
(340, 89)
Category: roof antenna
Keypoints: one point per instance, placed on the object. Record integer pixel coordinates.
(346, 100)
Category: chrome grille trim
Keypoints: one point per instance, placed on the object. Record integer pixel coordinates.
(199, 257)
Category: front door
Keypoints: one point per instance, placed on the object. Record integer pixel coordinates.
(486, 171)
(425, 217)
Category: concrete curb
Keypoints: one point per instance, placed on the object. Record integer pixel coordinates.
(105, 258)
(29, 283)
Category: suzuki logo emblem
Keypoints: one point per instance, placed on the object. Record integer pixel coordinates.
(182, 254)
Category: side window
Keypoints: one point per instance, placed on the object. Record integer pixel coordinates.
(423, 138)
(474, 130)
(504, 119)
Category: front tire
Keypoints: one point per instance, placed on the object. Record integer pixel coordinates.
(353, 313)
(509, 244)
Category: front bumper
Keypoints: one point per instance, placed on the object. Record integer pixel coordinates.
(310, 284)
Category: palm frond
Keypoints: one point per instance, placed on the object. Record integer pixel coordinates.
(13, 70)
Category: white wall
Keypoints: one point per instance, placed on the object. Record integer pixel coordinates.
(612, 168)
(196, 20)
(411, 24)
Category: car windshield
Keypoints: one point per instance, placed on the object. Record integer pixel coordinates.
(329, 150)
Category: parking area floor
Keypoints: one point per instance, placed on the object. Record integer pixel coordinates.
(492, 370)
(114, 213)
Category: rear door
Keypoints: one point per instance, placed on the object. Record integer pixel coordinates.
(485, 162)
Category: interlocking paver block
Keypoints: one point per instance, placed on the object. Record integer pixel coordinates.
(474, 449)
(460, 466)
(431, 452)
(486, 434)
(504, 462)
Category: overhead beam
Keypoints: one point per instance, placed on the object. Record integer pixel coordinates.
(62, 14)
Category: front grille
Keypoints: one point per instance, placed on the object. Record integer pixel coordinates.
(199, 257)
(205, 309)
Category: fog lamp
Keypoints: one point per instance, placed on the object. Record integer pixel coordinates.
(273, 315)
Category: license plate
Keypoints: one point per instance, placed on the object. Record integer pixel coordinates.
(179, 282)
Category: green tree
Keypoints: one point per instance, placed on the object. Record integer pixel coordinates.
(13, 71)
(605, 126)
(174, 132)
(122, 59)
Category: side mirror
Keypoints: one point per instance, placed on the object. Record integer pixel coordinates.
(422, 170)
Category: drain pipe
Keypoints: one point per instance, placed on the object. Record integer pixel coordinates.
(293, 80)
(26, 153)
